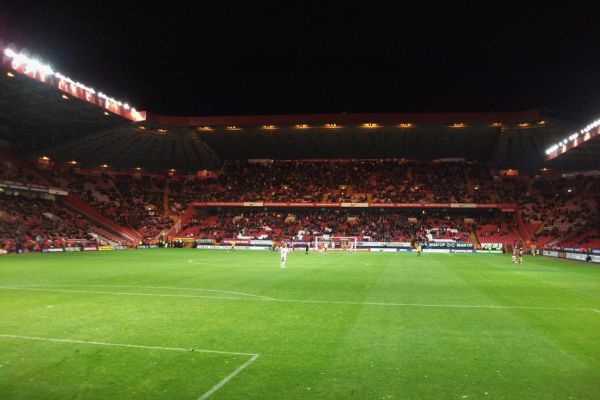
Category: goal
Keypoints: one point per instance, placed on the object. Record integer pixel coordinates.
(336, 243)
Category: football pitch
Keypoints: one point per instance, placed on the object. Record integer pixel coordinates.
(198, 324)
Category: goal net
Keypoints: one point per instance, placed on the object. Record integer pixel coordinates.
(336, 243)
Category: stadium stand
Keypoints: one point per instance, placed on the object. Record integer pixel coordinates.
(371, 225)
(550, 209)
(132, 177)
(35, 223)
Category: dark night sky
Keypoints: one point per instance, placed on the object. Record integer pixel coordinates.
(258, 58)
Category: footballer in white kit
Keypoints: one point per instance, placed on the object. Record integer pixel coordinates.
(284, 250)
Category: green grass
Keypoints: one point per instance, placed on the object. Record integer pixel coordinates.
(338, 326)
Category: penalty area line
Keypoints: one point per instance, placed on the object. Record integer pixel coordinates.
(204, 396)
(229, 377)
(41, 289)
(159, 287)
(134, 346)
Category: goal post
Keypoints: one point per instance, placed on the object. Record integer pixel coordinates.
(336, 243)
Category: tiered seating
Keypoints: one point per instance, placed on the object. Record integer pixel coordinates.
(14, 168)
(444, 228)
(591, 242)
(36, 223)
(496, 233)
(152, 226)
(542, 240)
(151, 205)
(373, 225)
(128, 201)
(571, 204)
(110, 237)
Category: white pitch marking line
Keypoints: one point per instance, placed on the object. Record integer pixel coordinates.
(159, 287)
(306, 301)
(435, 305)
(311, 263)
(134, 294)
(135, 346)
(210, 392)
(193, 261)
(598, 311)
(228, 378)
(304, 264)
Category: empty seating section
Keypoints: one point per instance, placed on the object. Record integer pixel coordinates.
(496, 233)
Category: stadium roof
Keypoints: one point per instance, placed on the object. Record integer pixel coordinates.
(348, 119)
(49, 114)
(578, 150)
(36, 116)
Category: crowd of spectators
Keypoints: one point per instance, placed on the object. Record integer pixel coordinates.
(567, 208)
(305, 224)
(129, 201)
(34, 223)
(322, 181)
(10, 171)
(550, 208)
